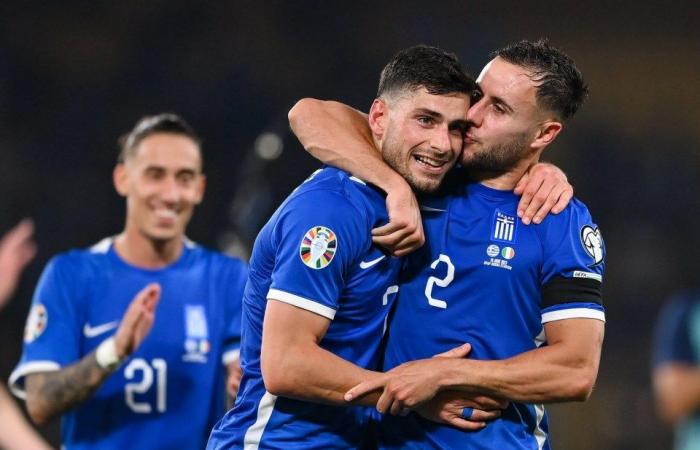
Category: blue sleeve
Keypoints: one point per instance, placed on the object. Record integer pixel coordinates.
(52, 330)
(573, 266)
(237, 276)
(319, 235)
(673, 334)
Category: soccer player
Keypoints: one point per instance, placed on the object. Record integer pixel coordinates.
(485, 278)
(16, 250)
(158, 381)
(319, 290)
(676, 373)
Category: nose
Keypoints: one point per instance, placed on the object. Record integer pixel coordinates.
(170, 191)
(475, 113)
(440, 139)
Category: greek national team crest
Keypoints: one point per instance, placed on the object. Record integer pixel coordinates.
(36, 323)
(197, 344)
(318, 247)
(504, 227)
(592, 242)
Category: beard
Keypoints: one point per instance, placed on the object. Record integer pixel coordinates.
(499, 158)
(392, 155)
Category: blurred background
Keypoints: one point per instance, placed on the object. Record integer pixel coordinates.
(76, 74)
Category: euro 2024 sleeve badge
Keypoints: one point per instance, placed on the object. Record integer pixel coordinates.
(318, 247)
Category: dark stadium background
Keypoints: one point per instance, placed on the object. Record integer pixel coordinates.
(76, 74)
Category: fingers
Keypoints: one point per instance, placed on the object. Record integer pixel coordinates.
(479, 415)
(564, 199)
(399, 238)
(465, 425)
(365, 387)
(537, 199)
(457, 352)
(488, 403)
(520, 187)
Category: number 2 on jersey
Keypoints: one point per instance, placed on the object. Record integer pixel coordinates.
(441, 282)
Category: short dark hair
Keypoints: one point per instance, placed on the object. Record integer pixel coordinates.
(149, 125)
(560, 86)
(422, 66)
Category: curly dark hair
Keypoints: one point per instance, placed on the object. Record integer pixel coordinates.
(422, 66)
(560, 86)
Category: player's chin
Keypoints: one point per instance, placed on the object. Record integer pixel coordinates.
(427, 183)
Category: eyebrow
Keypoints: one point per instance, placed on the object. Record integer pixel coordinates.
(428, 112)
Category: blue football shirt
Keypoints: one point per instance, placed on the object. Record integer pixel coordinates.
(170, 392)
(315, 253)
(485, 278)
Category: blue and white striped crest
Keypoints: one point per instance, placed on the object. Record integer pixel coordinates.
(504, 227)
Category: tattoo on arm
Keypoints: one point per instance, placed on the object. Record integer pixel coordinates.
(56, 392)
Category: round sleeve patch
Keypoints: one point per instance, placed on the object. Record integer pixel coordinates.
(592, 242)
(318, 247)
(36, 323)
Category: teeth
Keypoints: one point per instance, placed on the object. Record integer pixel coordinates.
(430, 162)
(166, 213)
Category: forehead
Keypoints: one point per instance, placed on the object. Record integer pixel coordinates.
(452, 106)
(167, 150)
(502, 79)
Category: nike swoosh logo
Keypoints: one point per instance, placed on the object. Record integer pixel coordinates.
(368, 264)
(91, 332)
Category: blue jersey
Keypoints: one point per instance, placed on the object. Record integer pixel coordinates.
(315, 253)
(677, 341)
(170, 392)
(484, 278)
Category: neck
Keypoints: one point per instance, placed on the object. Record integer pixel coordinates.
(136, 249)
(507, 180)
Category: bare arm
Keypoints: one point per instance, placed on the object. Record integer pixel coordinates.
(676, 391)
(294, 365)
(15, 432)
(16, 250)
(53, 393)
(339, 135)
(564, 370)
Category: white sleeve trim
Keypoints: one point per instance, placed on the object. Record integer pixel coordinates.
(24, 370)
(573, 313)
(301, 302)
(231, 356)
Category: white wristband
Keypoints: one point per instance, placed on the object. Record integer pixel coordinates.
(106, 355)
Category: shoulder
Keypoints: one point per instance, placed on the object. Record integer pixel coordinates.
(332, 193)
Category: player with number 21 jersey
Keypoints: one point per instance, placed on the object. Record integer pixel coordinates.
(170, 392)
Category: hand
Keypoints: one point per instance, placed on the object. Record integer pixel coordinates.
(137, 321)
(233, 380)
(16, 250)
(447, 408)
(404, 232)
(544, 188)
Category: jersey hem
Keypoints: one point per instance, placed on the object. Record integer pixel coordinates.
(573, 313)
(301, 302)
(26, 369)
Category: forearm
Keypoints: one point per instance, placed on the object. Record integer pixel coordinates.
(677, 391)
(15, 432)
(339, 135)
(544, 375)
(314, 374)
(52, 393)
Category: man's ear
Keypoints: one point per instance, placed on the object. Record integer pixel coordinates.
(378, 117)
(201, 187)
(120, 179)
(546, 133)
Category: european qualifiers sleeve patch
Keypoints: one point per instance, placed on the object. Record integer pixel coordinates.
(592, 242)
(36, 323)
(318, 247)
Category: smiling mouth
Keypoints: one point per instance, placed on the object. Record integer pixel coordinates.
(430, 163)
